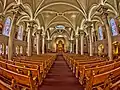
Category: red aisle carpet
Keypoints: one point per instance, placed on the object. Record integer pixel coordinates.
(60, 77)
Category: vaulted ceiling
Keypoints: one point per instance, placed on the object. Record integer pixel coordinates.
(50, 13)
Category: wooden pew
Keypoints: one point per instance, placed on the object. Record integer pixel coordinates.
(4, 86)
(18, 80)
(97, 81)
(22, 70)
(44, 64)
(97, 70)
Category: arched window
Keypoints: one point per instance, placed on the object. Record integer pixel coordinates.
(113, 27)
(100, 33)
(6, 29)
(0, 49)
(20, 33)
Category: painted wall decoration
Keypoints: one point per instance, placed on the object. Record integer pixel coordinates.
(100, 33)
(7, 27)
(20, 33)
(113, 27)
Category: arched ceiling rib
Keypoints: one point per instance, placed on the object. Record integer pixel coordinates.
(70, 13)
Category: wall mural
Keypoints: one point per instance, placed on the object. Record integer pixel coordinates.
(6, 29)
(100, 33)
(113, 27)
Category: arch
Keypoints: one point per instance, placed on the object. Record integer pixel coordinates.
(56, 3)
(7, 9)
(7, 26)
(91, 11)
(50, 23)
(28, 10)
(114, 28)
(20, 33)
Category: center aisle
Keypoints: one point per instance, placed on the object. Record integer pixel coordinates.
(60, 77)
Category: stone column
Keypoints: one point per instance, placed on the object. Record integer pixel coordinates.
(12, 32)
(48, 45)
(29, 38)
(89, 29)
(2, 18)
(71, 46)
(4, 49)
(103, 12)
(82, 42)
(43, 43)
(38, 42)
(76, 39)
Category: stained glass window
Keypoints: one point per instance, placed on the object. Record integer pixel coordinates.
(20, 33)
(100, 33)
(6, 29)
(113, 27)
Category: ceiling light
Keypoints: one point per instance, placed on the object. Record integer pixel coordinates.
(60, 27)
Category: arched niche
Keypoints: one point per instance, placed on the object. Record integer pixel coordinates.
(116, 49)
(101, 50)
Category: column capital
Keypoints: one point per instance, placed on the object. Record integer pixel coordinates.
(71, 40)
(43, 35)
(38, 31)
(17, 9)
(77, 36)
(81, 32)
(2, 17)
(88, 23)
(31, 24)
